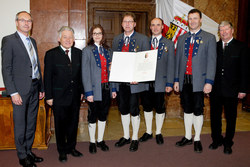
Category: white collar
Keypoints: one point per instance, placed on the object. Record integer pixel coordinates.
(227, 41)
(97, 44)
(128, 35)
(65, 48)
(22, 36)
(158, 37)
(195, 32)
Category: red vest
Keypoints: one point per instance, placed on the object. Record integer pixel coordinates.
(104, 69)
(152, 48)
(125, 48)
(189, 62)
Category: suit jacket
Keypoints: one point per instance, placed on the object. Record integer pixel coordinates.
(203, 59)
(91, 70)
(62, 77)
(16, 65)
(137, 43)
(233, 79)
(165, 65)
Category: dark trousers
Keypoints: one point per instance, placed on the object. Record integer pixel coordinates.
(192, 102)
(230, 110)
(99, 109)
(24, 117)
(66, 125)
(128, 102)
(151, 99)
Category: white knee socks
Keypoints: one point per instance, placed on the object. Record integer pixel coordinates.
(101, 129)
(159, 119)
(135, 124)
(125, 124)
(92, 128)
(188, 122)
(148, 120)
(198, 122)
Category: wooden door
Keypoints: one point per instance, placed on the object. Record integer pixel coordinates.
(109, 15)
(111, 22)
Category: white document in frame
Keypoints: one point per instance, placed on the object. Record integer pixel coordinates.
(133, 66)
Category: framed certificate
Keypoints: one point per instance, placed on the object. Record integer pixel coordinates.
(133, 66)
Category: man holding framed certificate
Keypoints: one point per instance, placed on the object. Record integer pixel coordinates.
(128, 93)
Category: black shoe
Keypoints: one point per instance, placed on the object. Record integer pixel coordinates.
(76, 153)
(197, 146)
(214, 145)
(145, 137)
(26, 162)
(134, 146)
(35, 158)
(102, 145)
(227, 150)
(63, 157)
(159, 139)
(92, 148)
(184, 141)
(122, 142)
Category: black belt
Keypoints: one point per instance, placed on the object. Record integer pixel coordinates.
(105, 86)
(188, 79)
(34, 80)
(151, 84)
(125, 84)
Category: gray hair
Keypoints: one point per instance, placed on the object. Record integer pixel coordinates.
(65, 28)
(16, 19)
(225, 23)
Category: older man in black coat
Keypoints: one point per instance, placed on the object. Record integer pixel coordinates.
(230, 85)
(63, 87)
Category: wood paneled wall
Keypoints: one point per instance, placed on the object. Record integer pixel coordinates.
(220, 10)
(49, 16)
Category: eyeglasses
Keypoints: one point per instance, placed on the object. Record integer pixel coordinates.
(97, 34)
(25, 21)
(129, 22)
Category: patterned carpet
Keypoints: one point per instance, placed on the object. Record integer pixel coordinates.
(149, 155)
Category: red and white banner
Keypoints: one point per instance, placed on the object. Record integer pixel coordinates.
(174, 14)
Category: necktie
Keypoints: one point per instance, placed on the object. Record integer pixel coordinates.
(33, 59)
(192, 38)
(101, 50)
(225, 45)
(155, 41)
(126, 41)
(67, 52)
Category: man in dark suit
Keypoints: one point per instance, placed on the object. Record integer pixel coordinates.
(164, 79)
(23, 82)
(194, 75)
(230, 85)
(128, 93)
(63, 87)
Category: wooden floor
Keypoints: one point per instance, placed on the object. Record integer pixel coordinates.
(171, 126)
